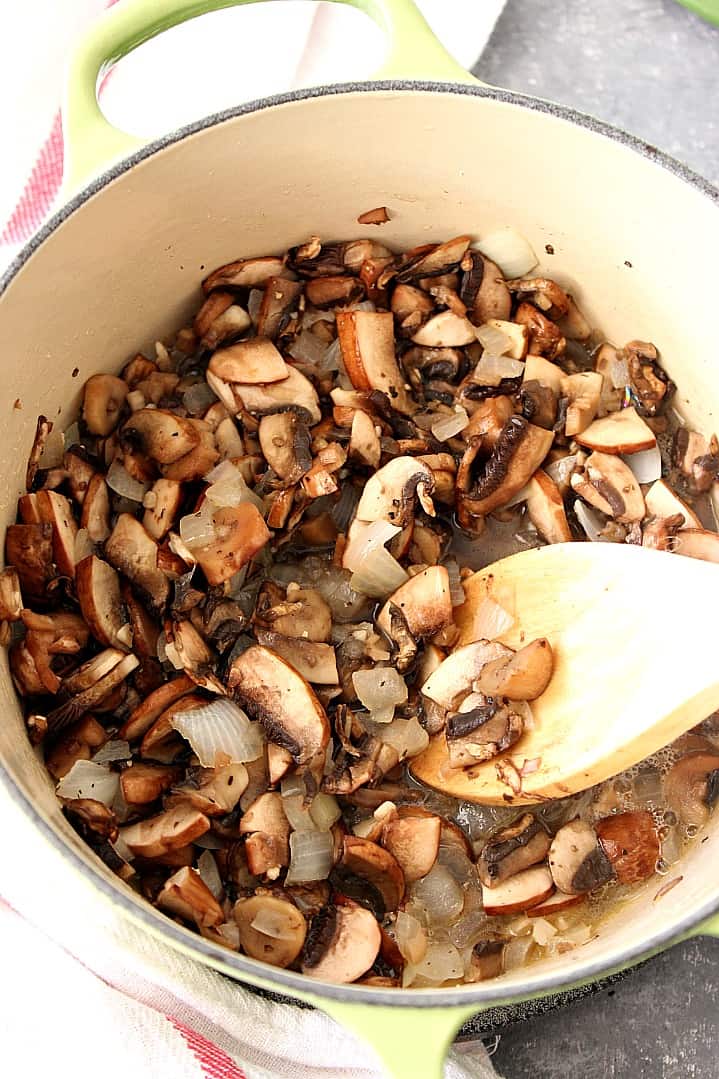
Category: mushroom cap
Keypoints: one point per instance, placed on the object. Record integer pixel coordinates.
(376, 865)
(251, 361)
(279, 933)
(631, 843)
(342, 944)
(516, 456)
(576, 859)
(513, 849)
(98, 591)
(285, 443)
(414, 844)
(162, 435)
(425, 602)
(389, 495)
(691, 786)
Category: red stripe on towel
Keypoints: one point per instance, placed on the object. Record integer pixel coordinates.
(215, 1062)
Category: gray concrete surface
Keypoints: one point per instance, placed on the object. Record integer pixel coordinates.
(653, 68)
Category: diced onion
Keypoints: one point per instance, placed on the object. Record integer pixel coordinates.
(510, 250)
(207, 868)
(230, 933)
(449, 426)
(86, 779)
(221, 729)
(311, 315)
(543, 931)
(407, 736)
(561, 470)
(469, 930)
(454, 858)
(524, 709)
(198, 529)
(311, 856)
(232, 492)
(116, 750)
(440, 895)
(325, 811)
(491, 620)
(121, 482)
(591, 521)
(516, 951)
(225, 470)
(456, 591)
(411, 937)
(619, 373)
(273, 924)
(493, 340)
(378, 573)
(380, 690)
(308, 347)
(646, 464)
(441, 963)
(198, 398)
(332, 359)
(53, 450)
(365, 538)
(491, 369)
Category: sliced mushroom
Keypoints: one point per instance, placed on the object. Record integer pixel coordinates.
(433, 260)
(523, 676)
(390, 494)
(697, 458)
(584, 392)
(424, 601)
(367, 343)
(480, 730)
(240, 532)
(78, 742)
(314, 661)
(410, 306)
(365, 446)
(142, 783)
(132, 551)
(161, 435)
(516, 456)
(376, 866)
(166, 832)
(148, 711)
(251, 361)
(91, 685)
(302, 613)
(280, 298)
(557, 901)
(244, 273)
(271, 929)
(11, 603)
(651, 386)
(515, 333)
(333, 289)
(576, 859)
(293, 392)
(484, 289)
(608, 484)
(619, 432)
(95, 517)
(631, 844)
(545, 338)
(539, 403)
(103, 399)
(29, 549)
(268, 831)
(488, 420)
(691, 787)
(519, 893)
(513, 849)
(280, 698)
(98, 591)
(445, 330)
(186, 894)
(342, 944)
(162, 504)
(545, 294)
(487, 960)
(546, 509)
(51, 508)
(198, 462)
(453, 679)
(215, 791)
(538, 369)
(79, 473)
(661, 501)
(285, 442)
(414, 844)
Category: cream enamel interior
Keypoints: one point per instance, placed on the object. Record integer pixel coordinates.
(123, 270)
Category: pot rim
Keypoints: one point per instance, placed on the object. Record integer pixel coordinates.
(148, 917)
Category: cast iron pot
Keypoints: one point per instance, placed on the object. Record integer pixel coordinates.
(633, 234)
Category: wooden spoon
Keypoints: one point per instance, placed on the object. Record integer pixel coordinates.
(634, 635)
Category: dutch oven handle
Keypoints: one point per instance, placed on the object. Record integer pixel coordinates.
(92, 143)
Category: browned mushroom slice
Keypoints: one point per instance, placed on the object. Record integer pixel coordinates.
(516, 456)
(484, 289)
(365, 446)
(145, 631)
(445, 330)
(271, 929)
(691, 787)
(545, 294)
(78, 743)
(132, 551)
(512, 849)
(244, 273)
(149, 710)
(240, 532)
(367, 342)
(414, 844)
(619, 432)
(650, 384)
(198, 462)
(697, 543)
(314, 661)
(425, 602)
(104, 397)
(91, 685)
(95, 517)
(26, 677)
(79, 473)
(487, 960)
(157, 385)
(285, 442)
(279, 303)
(545, 338)
(295, 391)
(186, 894)
(539, 403)
(546, 509)
(631, 844)
(142, 783)
(254, 360)
(162, 503)
(519, 893)
(488, 420)
(482, 731)
(557, 901)
(609, 485)
(537, 369)
(214, 791)
(452, 680)
(523, 676)
(304, 613)
(583, 391)
(375, 865)
(390, 494)
(268, 832)
(54, 509)
(435, 259)
(280, 698)
(29, 549)
(576, 859)
(324, 292)
(162, 742)
(98, 591)
(342, 944)
(410, 306)
(214, 306)
(162, 435)
(661, 501)
(11, 603)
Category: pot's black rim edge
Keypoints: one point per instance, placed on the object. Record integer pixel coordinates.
(148, 916)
